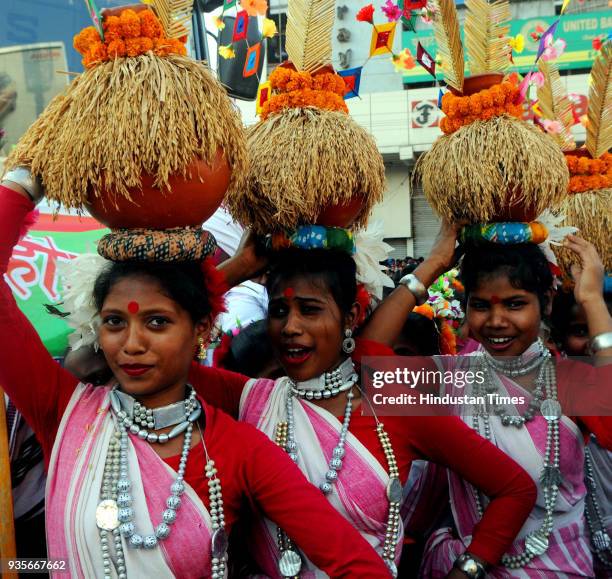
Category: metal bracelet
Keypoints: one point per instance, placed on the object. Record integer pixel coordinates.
(471, 567)
(416, 288)
(23, 177)
(601, 342)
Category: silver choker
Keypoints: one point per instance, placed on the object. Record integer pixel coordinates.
(328, 384)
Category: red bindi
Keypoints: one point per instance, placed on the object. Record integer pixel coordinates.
(133, 307)
(495, 300)
(289, 293)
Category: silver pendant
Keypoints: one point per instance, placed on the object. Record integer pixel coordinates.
(550, 409)
(219, 543)
(394, 490)
(107, 515)
(290, 563)
(536, 543)
(601, 541)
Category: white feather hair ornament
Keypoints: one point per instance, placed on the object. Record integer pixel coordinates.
(79, 276)
(370, 250)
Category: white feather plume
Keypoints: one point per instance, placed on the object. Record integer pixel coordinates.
(370, 250)
(78, 277)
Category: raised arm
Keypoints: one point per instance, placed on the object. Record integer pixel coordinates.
(300, 509)
(37, 385)
(386, 322)
(448, 441)
(588, 291)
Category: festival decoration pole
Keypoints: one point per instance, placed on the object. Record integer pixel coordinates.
(8, 549)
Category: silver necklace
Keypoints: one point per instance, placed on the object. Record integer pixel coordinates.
(290, 562)
(536, 543)
(597, 529)
(510, 368)
(328, 385)
(115, 512)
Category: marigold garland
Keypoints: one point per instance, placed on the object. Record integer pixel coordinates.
(298, 89)
(498, 100)
(127, 35)
(588, 174)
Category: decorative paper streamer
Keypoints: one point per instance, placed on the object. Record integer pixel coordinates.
(382, 38)
(251, 62)
(352, 78)
(96, 18)
(426, 60)
(549, 33)
(263, 95)
(241, 26)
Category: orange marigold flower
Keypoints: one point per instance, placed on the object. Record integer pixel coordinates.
(130, 24)
(475, 104)
(150, 25)
(112, 28)
(96, 54)
(83, 41)
(116, 49)
(132, 46)
(146, 44)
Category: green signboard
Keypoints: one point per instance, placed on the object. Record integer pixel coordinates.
(33, 273)
(578, 30)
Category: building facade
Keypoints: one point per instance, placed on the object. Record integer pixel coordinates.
(401, 111)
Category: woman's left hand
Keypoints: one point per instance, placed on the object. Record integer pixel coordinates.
(443, 255)
(589, 274)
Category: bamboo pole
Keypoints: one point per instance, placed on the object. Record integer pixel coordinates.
(8, 549)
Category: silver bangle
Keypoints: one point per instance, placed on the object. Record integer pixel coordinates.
(23, 177)
(471, 567)
(601, 342)
(416, 288)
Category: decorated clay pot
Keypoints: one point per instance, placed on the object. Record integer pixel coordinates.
(189, 201)
(341, 214)
(474, 84)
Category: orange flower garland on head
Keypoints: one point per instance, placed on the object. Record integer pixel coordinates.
(501, 99)
(298, 89)
(588, 174)
(127, 35)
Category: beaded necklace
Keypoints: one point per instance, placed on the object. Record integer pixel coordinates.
(592, 510)
(290, 562)
(536, 543)
(115, 513)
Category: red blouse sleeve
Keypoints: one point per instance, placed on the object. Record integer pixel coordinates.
(39, 387)
(219, 388)
(450, 442)
(285, 496)
(585, 392)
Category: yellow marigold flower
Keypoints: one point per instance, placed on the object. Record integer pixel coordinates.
(220, 25)
(227, 51)
(269, 28)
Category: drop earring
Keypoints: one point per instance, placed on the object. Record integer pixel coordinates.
(348, 344)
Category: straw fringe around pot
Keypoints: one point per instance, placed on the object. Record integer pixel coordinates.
(591, 213)
(470, 173)
(301, 160)
(127, 117)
